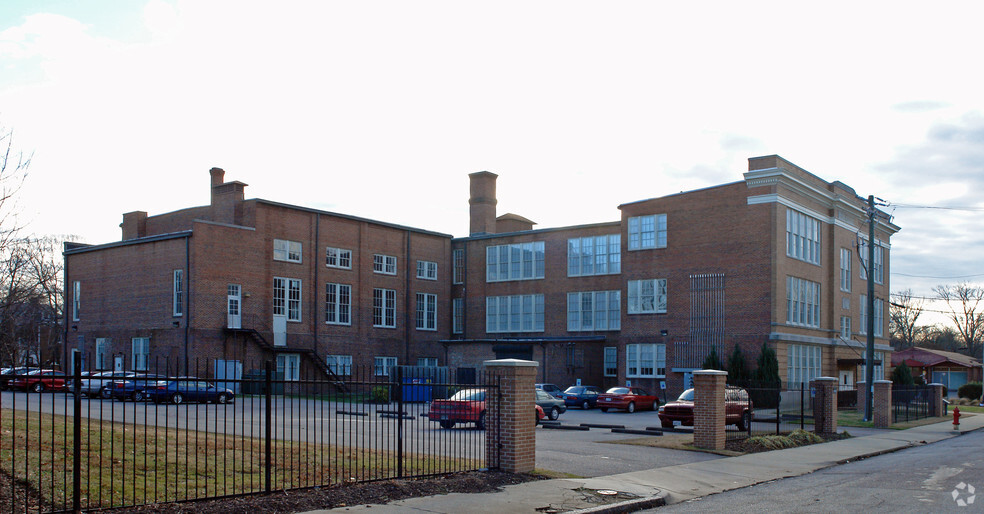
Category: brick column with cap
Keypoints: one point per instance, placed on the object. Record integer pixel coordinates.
(862, 388)
(882, 404)
(709, 413)
(824, 391)
(513, 442)
(936, 407)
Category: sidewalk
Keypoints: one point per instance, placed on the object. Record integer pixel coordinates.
(673, 484)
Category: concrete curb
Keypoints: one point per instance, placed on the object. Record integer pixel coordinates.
(626, 506)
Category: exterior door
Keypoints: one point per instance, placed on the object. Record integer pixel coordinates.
(235, 299)
(846, 379)
(279, 330)
(118, 363)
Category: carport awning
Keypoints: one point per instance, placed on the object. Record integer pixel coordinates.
(854, 362)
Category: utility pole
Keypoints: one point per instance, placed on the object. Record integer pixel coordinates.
(869, 359)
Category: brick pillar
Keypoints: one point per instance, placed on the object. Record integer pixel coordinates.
(709, 412)
(824, 391)
(882, 404)
(862, 395)
(936, 407)
(512, 441)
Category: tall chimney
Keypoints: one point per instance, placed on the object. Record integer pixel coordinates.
(218, 178)
(482, 203)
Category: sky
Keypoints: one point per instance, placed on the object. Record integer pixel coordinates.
(381, 109)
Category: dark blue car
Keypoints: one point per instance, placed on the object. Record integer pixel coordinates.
(584, 397)
(181, 391)
(133, 388)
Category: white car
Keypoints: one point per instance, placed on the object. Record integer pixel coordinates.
(97, 384)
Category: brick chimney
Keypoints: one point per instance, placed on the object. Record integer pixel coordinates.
(227, 197)
(218, 178)
(482, 203)
(134, 225)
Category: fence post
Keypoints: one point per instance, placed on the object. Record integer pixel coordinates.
(882, 404)
(936, 400)
(399, 421)
(825, 405)
(268, 423)
(802, 406)
(709, 414)
(77, 431)
(515, 441)
(778, 406)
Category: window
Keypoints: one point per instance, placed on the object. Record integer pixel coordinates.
(518, 313)
(595, 310)
(877, 370)
(601, 255)
(645, 360)
(802, 237)
(427, 362)
(804, 365)
(427, 270)
(521, 261)
(647, 232)
(611, 361)
(284, 250)
(76, 304)
(458, 258)
(338, 258)
(846, 327)
(287, 298)
(383, 365)
(289, 366)
(647, 296)
(102, 345)
(426, 311)
(338, 304)
(845, 269)
(177, 296)
(879, 262)
(141, 353)
(384, 308)
(458, 315)
(385, 264)
(879, 316)
(340, 365)
(802, 302)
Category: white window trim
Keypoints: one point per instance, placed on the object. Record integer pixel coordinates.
(518, 261)
(340, 365)
(287, 251)
(610, 362)
(585, 305)
(101, 353)
(531, 317)
(384, 264)
(458, 315)
(458, 266)
(879, 261)
(610, 257)
(846, 328)
(291, 307)
(335, 257)
(177, 293)
(635, 231)
(845, 270)
(426, 318)
(427, 362)
(654, 355)
(338, 309)
(660, 297)
(427, 270)
(385, 296)
(382, 365)
(803, 364)
(879, 316)
(290, 365)
(76, 302)
(802, 302)
(803, 237)
(140, 353)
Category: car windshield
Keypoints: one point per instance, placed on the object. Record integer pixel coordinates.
(475, 395)
(687, 396)
(574, 389)
(618, 390)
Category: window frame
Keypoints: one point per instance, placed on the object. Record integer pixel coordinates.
(382, 365)
(803, 237)
(290, 365)
(383, 307)
(516, 261)
(845, 269)
(101, 353)
(804, 363)
(529, 316)
(426, 308)
(879, 261)
(76, 301)
(458, 266)
(457, 315)
(605, 253)
(642, 354)
(336, 257)
(287, 298)
(384, 264)
(339, 364)
(879, 316)
(338, 311)
(638, 227)
(610, 362)
(582, 303)
(803, 302)
(285, 250)
(426, 270)
(427, 362)
(140, 347)
(635, 297)
(177, 293)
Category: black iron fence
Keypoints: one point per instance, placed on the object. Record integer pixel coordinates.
(773, 409)
(910, 402)
(85, 442)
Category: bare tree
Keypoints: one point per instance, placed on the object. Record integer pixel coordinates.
(13, 172)
(16, 288)
(904, 312)
(963, 301)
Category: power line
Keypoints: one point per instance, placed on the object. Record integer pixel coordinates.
(937, 207)
(940, 277)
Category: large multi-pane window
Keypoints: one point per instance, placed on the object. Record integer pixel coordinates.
(384, 308)
(520, 261)
(287, 298)
(879, 316)
(845, 269)
(879, 273)
(611, 361)
(647, 232)
(599, 255)
(846, 327)
(803, 365)
(338, 304)
(877, 369)
(458, 263)
(458, 315)
(645, 360)
(289, 366)
(141, 353)
(340, 365)
(284, 250)
(647, 296)
(594, 310)
(385, 264)
(338, 258)
(802, 237)
(427, 362)
(177, 292)
(383, 365)
(518, 313)
(427, 270)
(102, 350)
(426, 311)
(802, 302)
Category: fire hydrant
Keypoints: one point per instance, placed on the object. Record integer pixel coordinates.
(956, 418)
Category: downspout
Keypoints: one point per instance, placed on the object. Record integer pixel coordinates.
(406, 310)
(187, 330)
(315, 286)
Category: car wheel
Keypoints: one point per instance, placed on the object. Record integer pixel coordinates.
(586, 405)
(604, 409)
(221, 398)
(38, 387)
(105, 393)
(138, 396)
(176, 398)
(631, 407)
(554, 413)
(745, 422)
(480, 424)
(447, 424)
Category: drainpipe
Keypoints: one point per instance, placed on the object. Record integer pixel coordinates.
(406, 310)
(187, 330)
(315, 287)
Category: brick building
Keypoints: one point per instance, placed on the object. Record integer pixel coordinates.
(772, 259)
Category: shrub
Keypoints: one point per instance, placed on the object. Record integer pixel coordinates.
(737, 369)
(712, 361)
(768, 365)
(380, 394)
(970, 390)
(902, 375)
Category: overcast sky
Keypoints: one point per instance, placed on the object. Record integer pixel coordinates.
(381, 109)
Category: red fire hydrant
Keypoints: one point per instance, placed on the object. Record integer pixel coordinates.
(956, 418)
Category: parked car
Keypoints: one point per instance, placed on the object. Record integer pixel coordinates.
(584, 397)
(98, 384)
(465, 406)
(539, 414)
(132, 387)
(551, 389)
(8, 374)
(40, 380)
(628, 398)
(737, 409)
(180, 391)
(552, 407)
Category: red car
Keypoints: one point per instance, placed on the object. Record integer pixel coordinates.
(737, 409)
(465, 406)
(40, 380)
(539, 413)
(628, 398)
